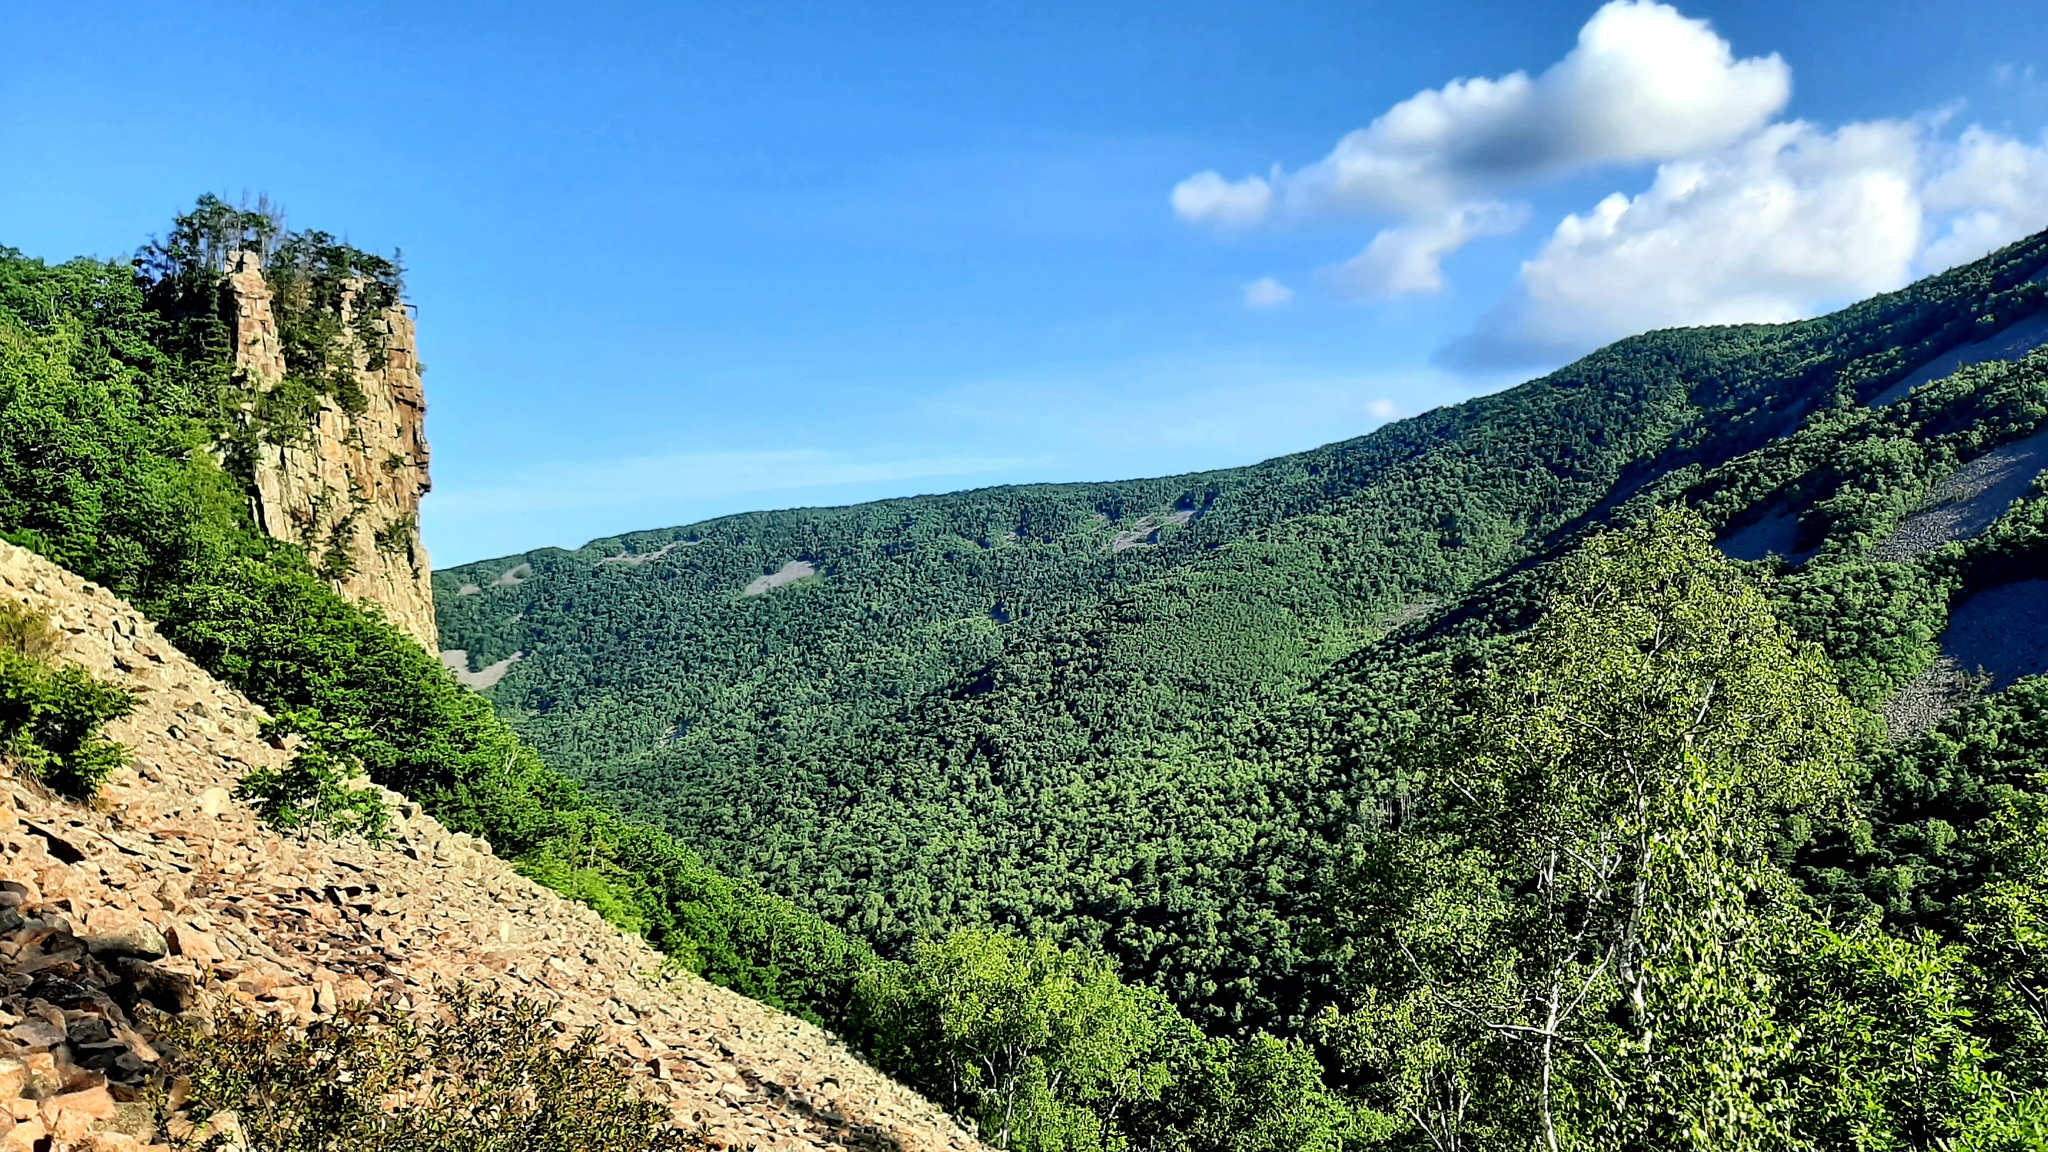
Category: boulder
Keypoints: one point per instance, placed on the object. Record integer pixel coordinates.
(114, 932)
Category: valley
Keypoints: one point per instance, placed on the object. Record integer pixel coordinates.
(993, 707)
(1652, 748)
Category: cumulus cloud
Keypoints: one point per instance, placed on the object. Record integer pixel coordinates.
(1643, 83)
(1208, 198)
(1995, 190)
(1267, 293)
(1747, 217)
(1788, 222)
(1409, 257)
(1754, 234)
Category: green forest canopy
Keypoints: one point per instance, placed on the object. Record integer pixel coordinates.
(1099, 800)
(120, 420)
(1147, 716)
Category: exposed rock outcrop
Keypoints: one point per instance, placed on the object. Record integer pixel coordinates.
(169, 890)
(353, 485)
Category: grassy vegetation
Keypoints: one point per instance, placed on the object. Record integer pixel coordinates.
(114, 397)
(470, 1071)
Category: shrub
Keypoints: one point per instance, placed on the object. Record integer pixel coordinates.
(26, 632)
(50, 716)
(313, 791)
(474, 1071)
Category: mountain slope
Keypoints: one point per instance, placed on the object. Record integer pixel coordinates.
(297, 926)
(1144, 713)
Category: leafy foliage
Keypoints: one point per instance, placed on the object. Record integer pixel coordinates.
(1192, 730)
(1045, 1048)
(365, 697)
(1585, 849)
(51, 715)
(314, 791)
(110, 398)
(1012, 706)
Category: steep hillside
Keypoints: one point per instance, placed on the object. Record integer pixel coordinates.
(171, 892)
(1145, 713)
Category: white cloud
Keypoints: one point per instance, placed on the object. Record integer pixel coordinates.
(1747, 218)
(1994, 188)
(1789, 222)
(1384, 409)
(1643, 83)
(1208, 198)
(1409, 257)
(1267, 293)
(2013, 75)
(1755, 234)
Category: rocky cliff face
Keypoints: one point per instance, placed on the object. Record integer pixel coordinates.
(350, 490)
(168, 890)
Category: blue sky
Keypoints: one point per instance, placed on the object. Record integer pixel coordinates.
(679, 260)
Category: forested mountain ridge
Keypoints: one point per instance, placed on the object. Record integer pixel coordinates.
(1148, 714)
(1569, 831)
(128, 439)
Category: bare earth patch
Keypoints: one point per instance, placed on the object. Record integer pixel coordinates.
(1994, 638)
(2009, 343)
(792, 571)
(1406, 614)
(513, 577)
(469, 590)
(2002, 630)
(1145, 533)
(1927, 700)
(1771, 536)
(635, 559)
(1967, 502)
(456, 660)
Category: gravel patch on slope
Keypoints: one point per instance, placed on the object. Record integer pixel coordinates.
(635, 559)
(1930, 698)
(2001, 630)
(2009, 343)
(456, 660)
(1969, 500)
(788, 573)
(1771, 536)
(1995, 637)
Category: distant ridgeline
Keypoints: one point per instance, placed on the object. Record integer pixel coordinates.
(1150, 714)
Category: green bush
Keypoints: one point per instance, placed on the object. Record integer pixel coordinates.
(51, 716)
(313, 792)
(474, 1071)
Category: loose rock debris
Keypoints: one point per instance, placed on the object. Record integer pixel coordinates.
(169, 893)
